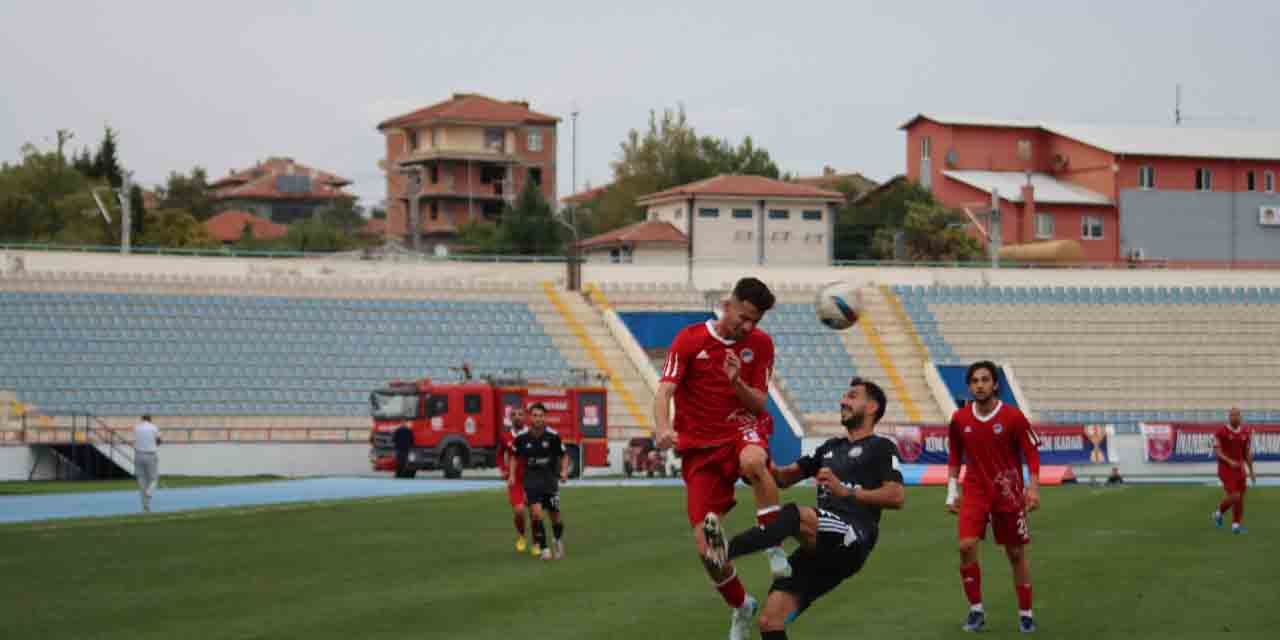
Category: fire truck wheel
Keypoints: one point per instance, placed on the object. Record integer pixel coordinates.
(575, 468)
(406, 472)
(452, 461)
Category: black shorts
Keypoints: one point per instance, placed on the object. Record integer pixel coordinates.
(841, 551)
(549, 499)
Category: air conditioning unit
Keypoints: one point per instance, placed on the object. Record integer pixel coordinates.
(1137, 253)
(952, 159)
(1060, 162)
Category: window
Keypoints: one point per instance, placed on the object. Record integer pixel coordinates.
(1091, 228)
(535, 175)
(494, 140)
(620, 255)
(535, 141)
(1269, 182)
(926, 148)
(708, 213)
(413, 140)
(779, 214)
(491, 208)
(433, 138)
(1204, 180)
(435, 174)
(435, 210)
(813, 238)
(1044, 225)
(679, 214)
(1147, 177)
(742, 236)
(437, 406)
(742, 214)
(813, 215)
(1024, 149)
(471, 403)
(780, 236)
(1249, 183)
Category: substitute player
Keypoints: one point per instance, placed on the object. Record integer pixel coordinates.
(718, 374)
(545, 467)
(857, 475)
(512, 470)
(993, 439)
(1232, 447)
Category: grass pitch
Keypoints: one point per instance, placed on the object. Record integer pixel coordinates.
(1133, 562)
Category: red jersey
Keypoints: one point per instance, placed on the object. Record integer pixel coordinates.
(993, 447)
(1233, 444)
(708, 412)
(507, 447)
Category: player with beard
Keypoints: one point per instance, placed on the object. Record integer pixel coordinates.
(857, 476)
(992, 439)
(512, 469)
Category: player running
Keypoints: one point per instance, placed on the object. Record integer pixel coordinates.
(857, 476)
(1232, 447)
(993, 439)
(718, 373)
(512, 469)
(545, 467)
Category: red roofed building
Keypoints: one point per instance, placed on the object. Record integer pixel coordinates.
(228, 227)
(750, 219)
(474, 154)
(278, 190)
(645, 242)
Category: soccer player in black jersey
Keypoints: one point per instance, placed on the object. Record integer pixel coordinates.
(857, 475)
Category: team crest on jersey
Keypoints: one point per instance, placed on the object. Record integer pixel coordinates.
(999, 428)
(855, 452)
(748, 355)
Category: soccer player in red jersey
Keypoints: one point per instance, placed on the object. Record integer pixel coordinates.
(1231, 445)
(992, 439)
(512, 469)
(718, 374)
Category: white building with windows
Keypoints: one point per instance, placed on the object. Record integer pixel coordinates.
(735, 219)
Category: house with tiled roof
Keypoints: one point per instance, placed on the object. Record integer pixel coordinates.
(749, 220)
(644, 242)
(472, 154)
(837, 181)
(278, 190)
(229, 227)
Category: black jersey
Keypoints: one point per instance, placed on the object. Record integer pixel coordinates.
(542, 459)
(870, 462)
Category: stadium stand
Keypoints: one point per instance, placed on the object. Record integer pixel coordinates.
(1114, 354)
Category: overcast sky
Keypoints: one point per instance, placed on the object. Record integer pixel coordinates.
(222, 84)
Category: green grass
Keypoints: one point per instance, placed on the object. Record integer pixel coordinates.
(126, 484)
(1133, 562)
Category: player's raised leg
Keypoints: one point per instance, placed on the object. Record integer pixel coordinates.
(709, 535)
(753, 460)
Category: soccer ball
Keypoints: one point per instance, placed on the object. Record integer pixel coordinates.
(839, 305)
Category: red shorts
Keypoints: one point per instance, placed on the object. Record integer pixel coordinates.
(711, 473)
(1011, 528)
(1233, 481)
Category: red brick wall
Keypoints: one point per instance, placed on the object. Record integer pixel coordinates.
(1179, 174)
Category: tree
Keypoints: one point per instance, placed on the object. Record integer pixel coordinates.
(313, 235)
(857, 224)
(931, 233)
(189, 193)
(175, 228)
(670, 153)
(44, 199)
(106, 164)
(137, 209)
(530, 228)
(344, 215)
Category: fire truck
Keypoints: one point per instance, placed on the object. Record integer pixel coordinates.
(456, 426)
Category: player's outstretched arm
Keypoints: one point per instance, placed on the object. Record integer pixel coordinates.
(664, 437)
(788, 475)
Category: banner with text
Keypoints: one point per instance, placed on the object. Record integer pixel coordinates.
(1059, 444)
(1184, 442)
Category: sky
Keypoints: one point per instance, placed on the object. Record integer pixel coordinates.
(221, 85)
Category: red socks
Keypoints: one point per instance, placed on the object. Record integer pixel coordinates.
(1024, 597)
(1237, 510)
(519, 520)
(732, 592)
(971, 578)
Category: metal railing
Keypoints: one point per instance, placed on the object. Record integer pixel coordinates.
(88, 429)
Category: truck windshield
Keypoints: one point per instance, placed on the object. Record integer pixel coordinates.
(393, 406)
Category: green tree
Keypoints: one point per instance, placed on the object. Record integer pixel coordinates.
(314, 235)
(857, 224)
(931, 233)
(530, 227)
(43, 199)
(174, 228)
(137, 210)
(668, 154)
(106, 163)
(479, 238)
(344, 215)
(189, 193)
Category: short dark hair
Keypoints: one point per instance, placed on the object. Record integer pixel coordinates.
(983, 364)
(756, 292)
(876, 393)
(537, 406)
(146, 417)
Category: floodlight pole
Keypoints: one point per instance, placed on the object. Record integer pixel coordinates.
(126, 213)
(993, 229)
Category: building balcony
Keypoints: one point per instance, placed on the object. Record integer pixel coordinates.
(495, 155)
(448, 187)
